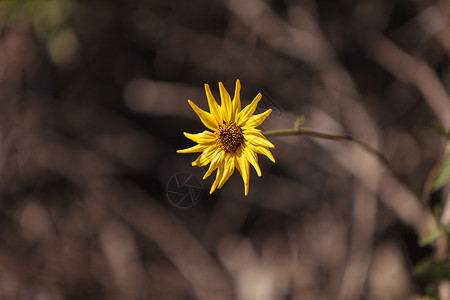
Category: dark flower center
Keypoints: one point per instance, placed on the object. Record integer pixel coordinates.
(229, 136)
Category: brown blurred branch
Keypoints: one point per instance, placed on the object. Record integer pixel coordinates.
(415, 71)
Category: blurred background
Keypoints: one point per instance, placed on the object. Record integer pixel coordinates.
(97, 204)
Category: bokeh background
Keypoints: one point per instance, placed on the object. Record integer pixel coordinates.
(93, 106)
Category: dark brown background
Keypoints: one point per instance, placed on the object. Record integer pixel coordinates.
(93, 104)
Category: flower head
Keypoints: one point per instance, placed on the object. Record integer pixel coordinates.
(233, 141)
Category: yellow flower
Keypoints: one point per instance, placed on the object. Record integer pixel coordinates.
(234, 140)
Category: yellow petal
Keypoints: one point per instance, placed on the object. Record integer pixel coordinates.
(214, 108)
(236, 104)
(261, 150)
(229, 170)
(193, 149)
(256, 120)
(243, 167)
(253, 159)
(246, 113)
(218, 177)
(207, 119)
(260, 142)
(257, 139)
(205, 137)
(204, 158)
(226, 104)
(217, 159)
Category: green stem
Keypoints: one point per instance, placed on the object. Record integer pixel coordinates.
(341, 138)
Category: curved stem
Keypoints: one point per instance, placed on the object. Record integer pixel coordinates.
(342, 138)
